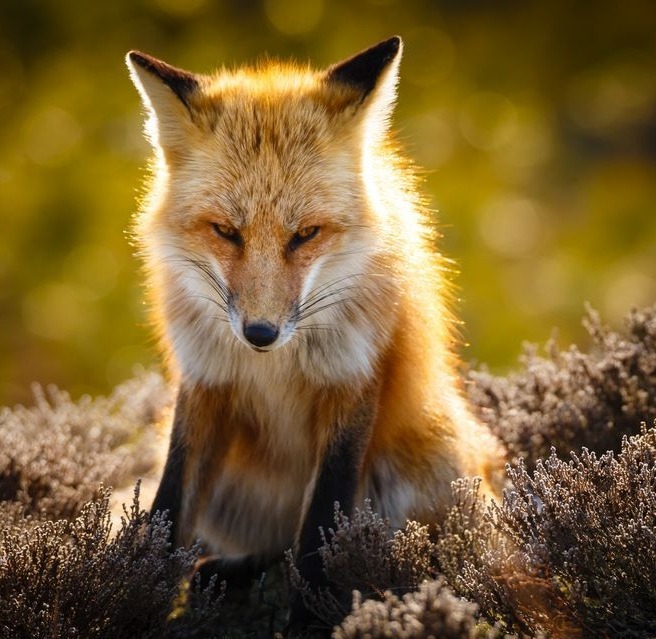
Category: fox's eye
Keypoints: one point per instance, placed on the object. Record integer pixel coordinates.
(303, 235)
(227, 233)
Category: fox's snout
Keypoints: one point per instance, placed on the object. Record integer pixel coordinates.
(262, 307)
(260, 329)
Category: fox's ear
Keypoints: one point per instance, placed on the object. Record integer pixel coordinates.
(371, 74)
(166, 93)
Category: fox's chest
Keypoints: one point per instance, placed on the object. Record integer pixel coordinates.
(245, 489)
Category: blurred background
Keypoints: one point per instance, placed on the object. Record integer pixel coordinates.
(535, 122)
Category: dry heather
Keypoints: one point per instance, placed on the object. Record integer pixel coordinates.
(570, 551)
(572, 399)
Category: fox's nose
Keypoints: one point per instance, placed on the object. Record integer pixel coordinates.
(260, 333)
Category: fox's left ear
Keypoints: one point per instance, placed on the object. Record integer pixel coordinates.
(371, 74)
(166, 93)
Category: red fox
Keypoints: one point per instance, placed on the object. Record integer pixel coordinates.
(297, 294)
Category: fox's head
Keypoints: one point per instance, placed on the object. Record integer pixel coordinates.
(262, 216)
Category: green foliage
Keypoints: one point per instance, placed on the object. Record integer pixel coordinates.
(534, 122)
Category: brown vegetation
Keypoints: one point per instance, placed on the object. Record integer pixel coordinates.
(569, 551)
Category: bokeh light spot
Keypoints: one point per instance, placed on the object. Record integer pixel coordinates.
(627, 286)
(532, 143)
(294, 18)
(57, 311)
(432, 140)
(429, 56)
(488, 120)
(180, 8)
(612, 95)
(51, 136)
(511, 227)
(94, 268)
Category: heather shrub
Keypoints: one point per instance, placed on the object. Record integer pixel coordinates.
(403, 558)
(570, 550)
(54, 455)
(570, 399)
(64, 570)
(394, 575)
(431, 611)
(73, 578)
(362, 553)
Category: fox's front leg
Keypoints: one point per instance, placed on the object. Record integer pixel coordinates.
(176, 500)
(170, 491)
(337, 480)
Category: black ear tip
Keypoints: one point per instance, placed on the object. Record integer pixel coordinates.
(385, 50)
(393, 44)
(146, 61)
(136, 57)
(182, 83)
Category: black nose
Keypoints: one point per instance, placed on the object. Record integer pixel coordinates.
(260, 334)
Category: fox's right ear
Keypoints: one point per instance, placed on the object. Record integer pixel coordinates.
(166, 93)
(371, 78)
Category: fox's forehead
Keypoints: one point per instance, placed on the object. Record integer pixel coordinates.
(270, 179)
(287, 128)
(279, 152)
(273, 102)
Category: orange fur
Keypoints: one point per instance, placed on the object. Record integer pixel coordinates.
(244, 162)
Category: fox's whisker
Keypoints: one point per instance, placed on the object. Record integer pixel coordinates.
(213, 280)
(334, 303)
(305, 307)
(314, 327)
(326, 285)
(211, 300)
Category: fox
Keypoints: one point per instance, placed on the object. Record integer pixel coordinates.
(301, 306)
